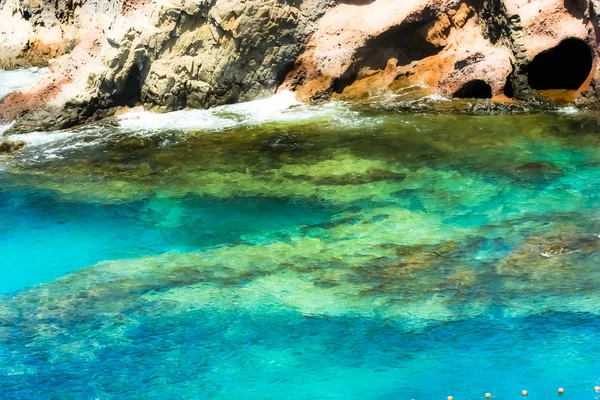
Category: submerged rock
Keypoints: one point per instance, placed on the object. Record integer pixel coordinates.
(538, 171)
(7, 147)
(547, 257)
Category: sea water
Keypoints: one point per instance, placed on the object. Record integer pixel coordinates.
(273, 250)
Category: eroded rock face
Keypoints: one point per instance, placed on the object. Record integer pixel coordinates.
(223, 52)
(165, 54)
(453, 48)
(173, 54)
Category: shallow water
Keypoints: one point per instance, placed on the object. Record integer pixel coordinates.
(275, 250)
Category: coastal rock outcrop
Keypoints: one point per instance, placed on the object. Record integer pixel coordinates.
(465, 49)
(173, 54)
(164, 54)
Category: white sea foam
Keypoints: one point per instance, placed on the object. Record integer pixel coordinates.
(47, 145)
(568, 110)
(270, 109)
(281, 107)
(20, 79)
(437, 97)
(178, 120)
(4, 128)
(38, 139)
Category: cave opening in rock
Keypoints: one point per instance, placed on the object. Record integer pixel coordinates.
(131, 91)
(566, 66)
(405, 43)
(508, 89)
(476, 89)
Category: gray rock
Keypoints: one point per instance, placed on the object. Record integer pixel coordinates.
(7, 147)
(201, 53)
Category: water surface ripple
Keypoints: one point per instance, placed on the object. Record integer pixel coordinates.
(299, 252)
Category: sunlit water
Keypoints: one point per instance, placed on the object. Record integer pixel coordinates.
(278, 251)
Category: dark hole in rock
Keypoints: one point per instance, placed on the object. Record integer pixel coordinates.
(476, 89)
(508, 89)
(565, 66)
(129, 95)
(406, 43)
(344, 81)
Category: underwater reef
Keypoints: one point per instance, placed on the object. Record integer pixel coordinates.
(337, 251)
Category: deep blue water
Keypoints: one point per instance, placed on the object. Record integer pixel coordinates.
(212, 354)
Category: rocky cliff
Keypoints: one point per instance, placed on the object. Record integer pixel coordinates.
(173, 54)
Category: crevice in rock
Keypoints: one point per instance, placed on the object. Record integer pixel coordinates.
(476, 89)
(496, 24)
(501, 26)
(343, 82)
(509, 90)
(65, 10)
(470, 60)
(566, 66)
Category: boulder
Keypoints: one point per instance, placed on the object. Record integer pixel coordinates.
(7, 147)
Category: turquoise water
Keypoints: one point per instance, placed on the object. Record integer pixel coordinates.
(37, 228)
(274, 250)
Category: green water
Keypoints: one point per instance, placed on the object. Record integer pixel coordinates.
(347, 252)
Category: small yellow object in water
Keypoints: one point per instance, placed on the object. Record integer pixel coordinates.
(450, 398)
(561, 390)
(524, 392)
(488, 395)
